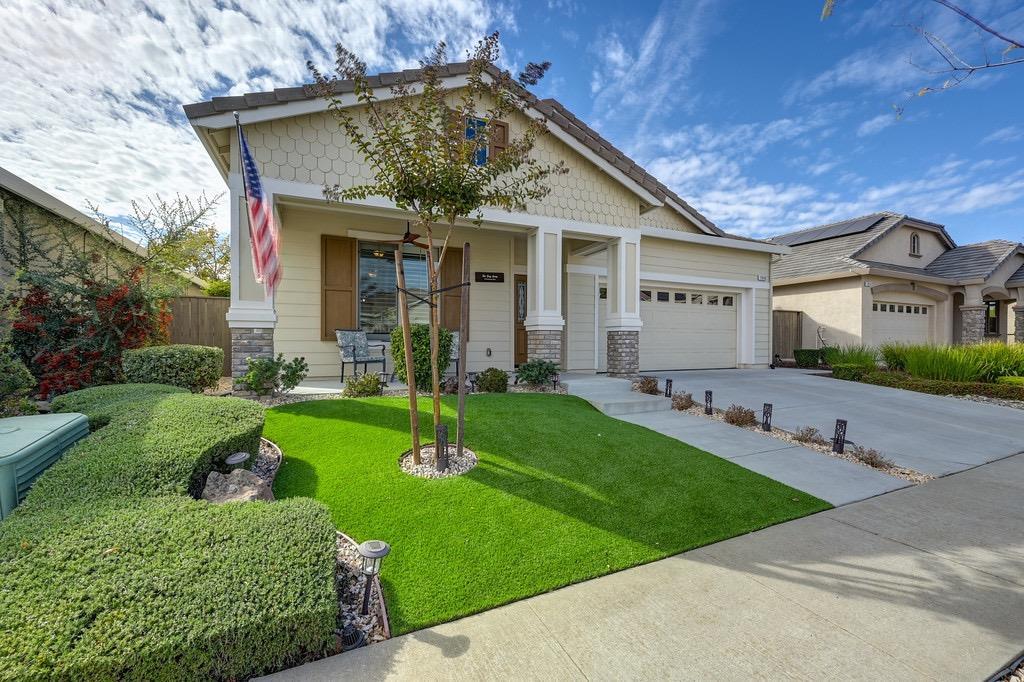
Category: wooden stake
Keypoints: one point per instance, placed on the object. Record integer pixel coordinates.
(410, 375)
(463, 340)
(435, 323)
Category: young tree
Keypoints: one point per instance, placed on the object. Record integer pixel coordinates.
(427, 145)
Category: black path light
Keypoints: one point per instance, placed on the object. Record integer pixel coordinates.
(707, 403)
(383, 381)
(373, 553)
(766, 417)
(668, 388)
(472, 381)
(839, 439)
(441, 447)
(554, 382)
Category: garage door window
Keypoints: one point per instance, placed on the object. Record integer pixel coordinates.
(727, 300)
(663, 296)
(712, 300)
(680, 297)
(696, 299)
(645, 294)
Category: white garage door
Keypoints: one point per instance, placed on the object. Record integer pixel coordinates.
(901, 322)
(683, 329)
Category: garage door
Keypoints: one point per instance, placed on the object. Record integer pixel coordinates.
(683, 329)
(901, 322)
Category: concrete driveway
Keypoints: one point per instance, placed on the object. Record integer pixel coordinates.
(932, 434)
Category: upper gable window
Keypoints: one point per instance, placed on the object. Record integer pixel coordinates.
(472, 126)
(497, 138)
(915, 244)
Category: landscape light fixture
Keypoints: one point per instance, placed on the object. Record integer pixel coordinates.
(373, 553)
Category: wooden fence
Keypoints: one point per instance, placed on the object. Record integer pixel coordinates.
(787, 333)
(200, 320)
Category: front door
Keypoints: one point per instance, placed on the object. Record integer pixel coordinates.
(519, 319)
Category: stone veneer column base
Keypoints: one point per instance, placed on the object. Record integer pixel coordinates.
(623, 353)
(972, 324)
(544, 344)
(1018, 323)
(249, 342)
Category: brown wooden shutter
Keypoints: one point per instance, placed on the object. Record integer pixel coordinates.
(499, 137)
(451, 301)
(338, 274)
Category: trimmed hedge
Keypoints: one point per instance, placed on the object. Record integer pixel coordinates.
(807, 357)
(851, 372)
(193, 367)
(940, 387)
(108, 571)
(1012, 381)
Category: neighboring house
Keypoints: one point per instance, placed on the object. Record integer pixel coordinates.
(889, 277)
(51, 216)
(610, 272)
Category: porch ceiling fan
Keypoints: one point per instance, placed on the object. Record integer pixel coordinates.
(407, 238)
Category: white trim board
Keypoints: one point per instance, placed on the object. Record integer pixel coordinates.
(673, 279)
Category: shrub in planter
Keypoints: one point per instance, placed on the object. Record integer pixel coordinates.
(273, 375)
(647, 385)
(809, 434)
(1011, 381)
(682, 401)
(939, 387)
(492, 380)
(871, 457)
(16, 382)
(420, 353)
(737, 415)
(362, 386)
(894, 355)
(850, 372)
(537, 372)
(860, 356)
(191, 367)
(807, 357)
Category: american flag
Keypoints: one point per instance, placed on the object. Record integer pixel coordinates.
(263, 234)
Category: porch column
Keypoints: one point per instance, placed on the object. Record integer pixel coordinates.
(1018, 317)
(972, 316)
(622, 321)
(251, 316)
(544, 321)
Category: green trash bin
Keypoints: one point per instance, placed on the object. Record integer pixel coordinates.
(28, 446)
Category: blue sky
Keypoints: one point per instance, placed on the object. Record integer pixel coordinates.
(759, 114)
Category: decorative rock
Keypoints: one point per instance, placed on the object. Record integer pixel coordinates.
(238, 486)
(426, 469)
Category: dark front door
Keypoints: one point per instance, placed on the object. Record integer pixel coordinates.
(519, 318)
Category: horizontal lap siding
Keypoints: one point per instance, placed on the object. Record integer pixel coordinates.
(580, 322)
(298, 298)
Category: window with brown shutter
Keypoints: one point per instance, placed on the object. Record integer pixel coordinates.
(498, 137)
(338, 272)
(451, 300)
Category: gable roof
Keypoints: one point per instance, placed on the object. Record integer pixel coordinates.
(972, 261)
(836, 248)
(1017, 278)
(48, 202)
(551, 109)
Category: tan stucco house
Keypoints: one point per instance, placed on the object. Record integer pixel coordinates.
(890, 277)
(611, 272)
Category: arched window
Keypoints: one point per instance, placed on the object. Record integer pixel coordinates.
(915, 244)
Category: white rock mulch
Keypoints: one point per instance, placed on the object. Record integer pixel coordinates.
(351, 584)
(1016, 404)
(910, 475)
(426, 468)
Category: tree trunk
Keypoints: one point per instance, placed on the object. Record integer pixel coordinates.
(463, 341)
(435, 323)
(410, 375)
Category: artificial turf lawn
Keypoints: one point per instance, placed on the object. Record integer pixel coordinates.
(562, 493)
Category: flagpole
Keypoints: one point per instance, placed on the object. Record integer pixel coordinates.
(245, 193)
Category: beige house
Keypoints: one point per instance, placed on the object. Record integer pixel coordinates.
(889, 277)
(612, 272)
(46, 215)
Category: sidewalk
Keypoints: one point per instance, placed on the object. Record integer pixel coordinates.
(924, 583)
(834, 480)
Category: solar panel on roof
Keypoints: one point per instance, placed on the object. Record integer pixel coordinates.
(829, 231)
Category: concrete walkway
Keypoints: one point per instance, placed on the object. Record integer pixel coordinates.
(834, 480)
(926, 583)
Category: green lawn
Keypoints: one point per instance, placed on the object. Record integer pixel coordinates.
(562, 493)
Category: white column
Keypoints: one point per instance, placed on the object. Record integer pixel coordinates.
(544, 277)
(250, 306)
(623, 312)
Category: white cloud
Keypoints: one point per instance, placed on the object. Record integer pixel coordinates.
(875, 125)
(91, 106)
(1008, 134)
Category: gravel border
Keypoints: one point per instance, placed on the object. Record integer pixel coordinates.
(351, 583)
(268, 461)
(910, 475)
(1016, 404)
(426, 468)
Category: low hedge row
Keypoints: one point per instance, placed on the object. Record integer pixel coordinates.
(108, 571)
(940, 387)
(191, 367)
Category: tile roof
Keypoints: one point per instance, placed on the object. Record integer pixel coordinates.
(1016, 279)
(553, 110)
(972, 261)
(833, 255)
